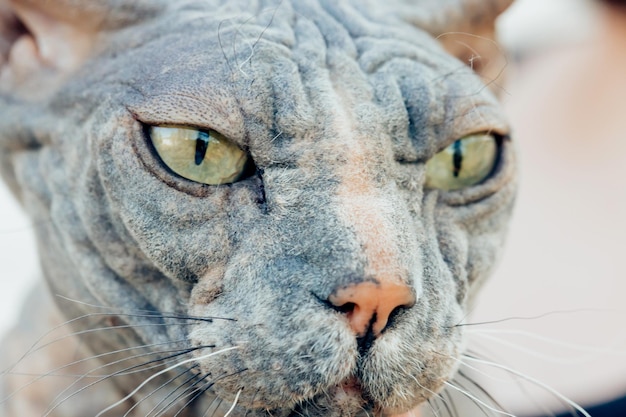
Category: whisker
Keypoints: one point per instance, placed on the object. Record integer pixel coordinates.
(480, 388)
(144, 313)
(188, 391)
(32, 349)
(232, 407)
(365, 411)
(477, 400)
(94, 357)
(489, 334)
(450, 400)
(166, 383)
(197, 392)
(36, 347)
(204, 389)
(434, 394)
(536, 317)
(118, 373)
(522, 388)
(253, 398)
(201, 391)
(161, 373)
(444, 401)
(532, 380)
(219, 404)
(54, 371)
(432, 407)
(480, 407)
(481, 391)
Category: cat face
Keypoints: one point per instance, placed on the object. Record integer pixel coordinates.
(265, 189)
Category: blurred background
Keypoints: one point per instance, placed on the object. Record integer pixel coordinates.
(561, 285)
(564, 261)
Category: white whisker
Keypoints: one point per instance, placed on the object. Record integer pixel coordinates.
(192, 391)
(166, 383)
(232, 407)
(126, 371)
(478, 400)
(54, 372)
(161, 373)
(217, 406)
(532, 380)
(489, 334)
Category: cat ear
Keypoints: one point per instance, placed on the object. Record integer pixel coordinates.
(465, 28)
(472, 38)
(441, 16)
(56, 36)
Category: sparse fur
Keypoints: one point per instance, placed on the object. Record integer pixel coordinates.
(339, 104)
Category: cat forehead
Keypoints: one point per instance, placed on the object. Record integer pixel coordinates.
(289, 69)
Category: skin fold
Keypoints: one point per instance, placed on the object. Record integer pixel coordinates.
(328, 280)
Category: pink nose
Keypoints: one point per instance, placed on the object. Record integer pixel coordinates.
(371, 303)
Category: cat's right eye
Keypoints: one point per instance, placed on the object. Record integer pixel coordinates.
(203, 156)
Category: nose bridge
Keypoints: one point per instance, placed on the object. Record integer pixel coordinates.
(380, 227)
(371, 206)
(380, 224)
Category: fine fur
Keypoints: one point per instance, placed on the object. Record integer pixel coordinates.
(211, 298)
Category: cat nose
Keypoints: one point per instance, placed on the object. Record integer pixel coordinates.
(370, 304)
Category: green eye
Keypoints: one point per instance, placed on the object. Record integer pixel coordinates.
(466, 162)
(206, 157)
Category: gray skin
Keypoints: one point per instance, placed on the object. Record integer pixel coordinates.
(339, 104)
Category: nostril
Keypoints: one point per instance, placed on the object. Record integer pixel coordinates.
(346, 308)
(368, 306)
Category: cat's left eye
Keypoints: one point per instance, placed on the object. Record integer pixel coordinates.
(465, 163)
(203, 156)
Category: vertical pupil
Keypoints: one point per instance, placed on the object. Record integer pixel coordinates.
(202, 143)
(457, 157)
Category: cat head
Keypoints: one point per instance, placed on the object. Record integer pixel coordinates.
(301, 198)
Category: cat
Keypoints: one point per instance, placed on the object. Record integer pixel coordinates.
(249, 207)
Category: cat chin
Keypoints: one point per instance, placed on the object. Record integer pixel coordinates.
(344, 400)
(381, 394)
(350, 398)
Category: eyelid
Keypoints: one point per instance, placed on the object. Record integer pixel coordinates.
(215, 109)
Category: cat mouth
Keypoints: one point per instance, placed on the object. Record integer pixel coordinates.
(347, 399)
(342, 400)
(348, 391)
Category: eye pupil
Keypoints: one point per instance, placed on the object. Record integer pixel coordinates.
(203, 156)
(202, 143)
(464, 163)
(457, 158)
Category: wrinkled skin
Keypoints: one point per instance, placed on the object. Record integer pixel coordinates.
(339, 105)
